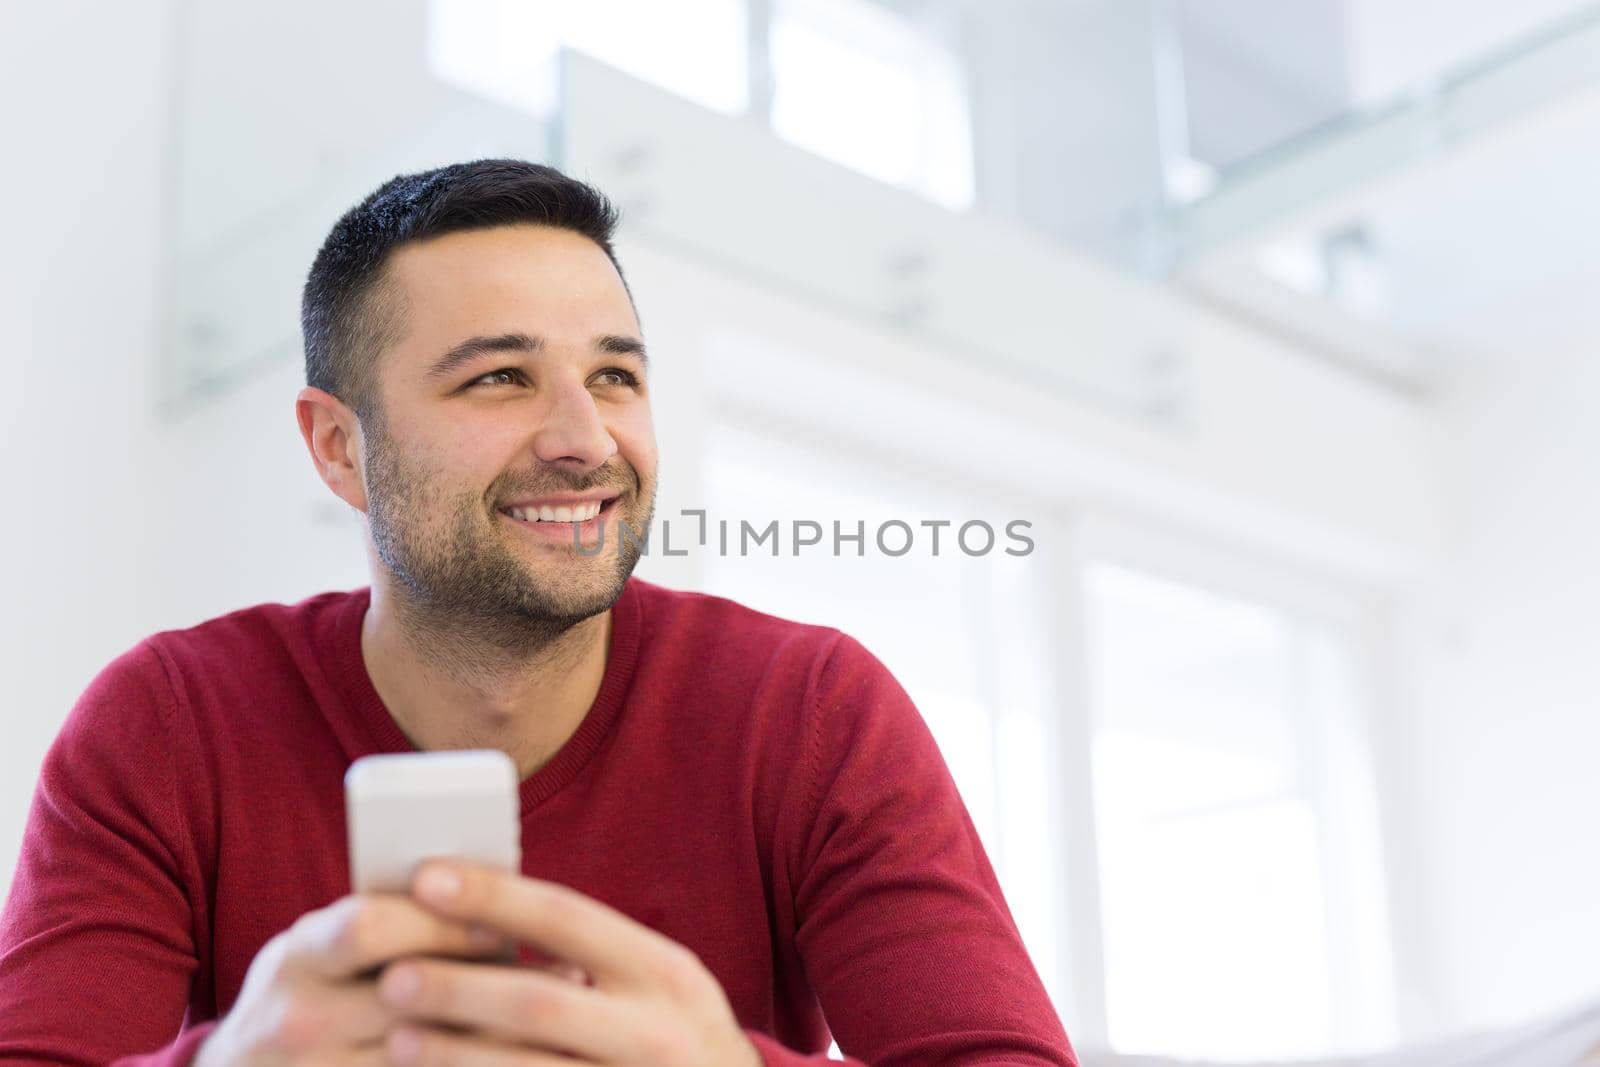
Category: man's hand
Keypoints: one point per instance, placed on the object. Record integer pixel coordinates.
(308, 997)
(648, 1002)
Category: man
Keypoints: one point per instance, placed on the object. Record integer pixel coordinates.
(737, 832)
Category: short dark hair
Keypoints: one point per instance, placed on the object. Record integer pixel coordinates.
(343, 316)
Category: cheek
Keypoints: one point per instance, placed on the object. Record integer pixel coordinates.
(472, 447)
(635, 436)
(445, 466)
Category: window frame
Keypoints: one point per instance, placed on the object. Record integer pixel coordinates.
(932, 65)
(1365, 1014)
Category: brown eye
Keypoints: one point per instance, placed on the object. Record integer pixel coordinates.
(618, 376)
(510, 374)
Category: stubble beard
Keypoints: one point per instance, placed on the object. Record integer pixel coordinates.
(463, 587)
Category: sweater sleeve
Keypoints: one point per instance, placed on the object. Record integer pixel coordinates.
(97, 951)
(900, 921)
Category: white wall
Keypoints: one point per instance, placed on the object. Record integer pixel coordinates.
(81, 281)
(1399, 48)
(1510, 687)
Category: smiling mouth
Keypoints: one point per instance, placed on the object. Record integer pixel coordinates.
(564, 522)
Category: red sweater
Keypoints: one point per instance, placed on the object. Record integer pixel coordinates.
(762, 791)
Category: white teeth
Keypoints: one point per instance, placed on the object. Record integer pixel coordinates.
(580, 513)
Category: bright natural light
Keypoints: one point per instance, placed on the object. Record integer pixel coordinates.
(502, 48)
(852, 82)
(863, 87)
(1214, 725)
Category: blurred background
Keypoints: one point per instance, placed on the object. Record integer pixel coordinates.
(1276, 319)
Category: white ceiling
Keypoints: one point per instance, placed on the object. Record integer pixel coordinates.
(1477, 250)
(1474, 250)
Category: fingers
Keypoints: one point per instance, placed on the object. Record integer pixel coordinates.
(315, 1014)
(567, 972)
(422, 1046)
(362, 931)
(523, 1005)
(563, 922)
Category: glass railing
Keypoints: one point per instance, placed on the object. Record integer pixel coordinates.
(1371, 144)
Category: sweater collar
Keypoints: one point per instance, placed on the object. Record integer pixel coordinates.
(386, 736)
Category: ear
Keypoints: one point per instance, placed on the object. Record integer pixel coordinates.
(333, 435)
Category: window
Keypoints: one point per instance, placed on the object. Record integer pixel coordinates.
(502, 48)
(1241, 893)
(852, 82)
(865, 88)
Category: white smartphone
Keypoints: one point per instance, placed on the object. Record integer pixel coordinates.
(404, 808)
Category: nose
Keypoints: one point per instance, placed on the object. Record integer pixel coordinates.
(573, 433)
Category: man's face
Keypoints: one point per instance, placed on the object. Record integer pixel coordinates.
(511, 393)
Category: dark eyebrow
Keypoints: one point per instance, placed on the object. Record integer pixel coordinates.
(467, 351)
(464, 353)
(617, 345)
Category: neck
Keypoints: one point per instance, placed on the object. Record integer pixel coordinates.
(454, 681)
